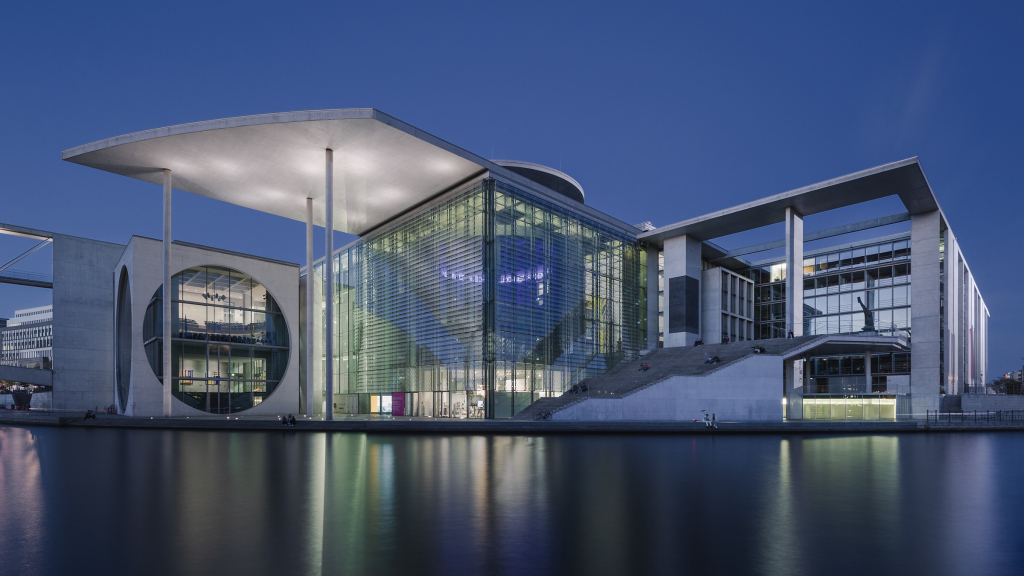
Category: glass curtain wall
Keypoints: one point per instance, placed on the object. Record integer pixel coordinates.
(409, 310)
(481, 303)
(570, 300)
(864, 289)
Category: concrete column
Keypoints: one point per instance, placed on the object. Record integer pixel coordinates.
(794, 273)
(310, 276)
(867, 369)
(682, 291)
(329, 296)
(924, 310)
(711, 305)
(652, 297)
(793, 381)
(168, 377)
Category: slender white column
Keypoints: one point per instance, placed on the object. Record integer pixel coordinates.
(310, 277)
(329, 269)
(168, 377)
(794, 273)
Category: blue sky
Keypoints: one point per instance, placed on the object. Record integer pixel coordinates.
(661, 111)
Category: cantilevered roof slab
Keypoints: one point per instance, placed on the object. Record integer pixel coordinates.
(273, 162)
(905, 179)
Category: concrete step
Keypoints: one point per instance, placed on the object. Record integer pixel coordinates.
(664, 363)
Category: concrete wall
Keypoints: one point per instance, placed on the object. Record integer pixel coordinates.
(83, 322)
(993, 402)
(143, 258)
(37, 376)
(747, 391)
(966, 322)
(925, 375)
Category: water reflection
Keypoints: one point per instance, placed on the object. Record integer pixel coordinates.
(22, 508)
(289, 503)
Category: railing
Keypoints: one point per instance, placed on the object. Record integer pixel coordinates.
(976, 416)
(891, 329)
(1011, 389)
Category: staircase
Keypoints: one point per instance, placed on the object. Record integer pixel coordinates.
(665, 363)
(950, 403)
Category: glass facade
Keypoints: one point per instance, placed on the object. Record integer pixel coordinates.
(864, 289)
(481, 303)
(229, 338)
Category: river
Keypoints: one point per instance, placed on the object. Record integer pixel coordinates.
(81, 501)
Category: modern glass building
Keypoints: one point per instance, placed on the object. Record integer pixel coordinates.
(477, 288)
(480, 303)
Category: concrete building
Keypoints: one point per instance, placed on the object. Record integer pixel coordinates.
(232, 337)
(82, 316)
(27, 339)
(489, 289)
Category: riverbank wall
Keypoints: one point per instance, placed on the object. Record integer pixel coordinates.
(517, 427)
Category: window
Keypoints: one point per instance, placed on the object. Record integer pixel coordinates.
(845, 281)
(871, 254)
(846, 259)
(901, 250)
(857, 279)
(725, 292)
(732, 284)
(885, 253)
(901, 273)
(833, 261)
(833, 284)
(857, 259)
(229, 340)
(885, 276)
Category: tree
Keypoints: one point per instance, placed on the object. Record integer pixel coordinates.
(1007, 386)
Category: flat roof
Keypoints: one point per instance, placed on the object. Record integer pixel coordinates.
(905, 179)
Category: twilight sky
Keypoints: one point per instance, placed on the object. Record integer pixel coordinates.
(662, 112)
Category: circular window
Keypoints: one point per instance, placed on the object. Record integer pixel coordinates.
(229, 340)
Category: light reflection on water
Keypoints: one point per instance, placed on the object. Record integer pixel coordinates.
(164, 502)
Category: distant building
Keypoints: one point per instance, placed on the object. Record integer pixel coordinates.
(27, 339)
(1015, 375)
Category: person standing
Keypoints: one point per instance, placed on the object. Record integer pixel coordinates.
(714, 421)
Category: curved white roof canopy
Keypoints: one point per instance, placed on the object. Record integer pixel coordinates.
(554, 179)
(273, 162)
